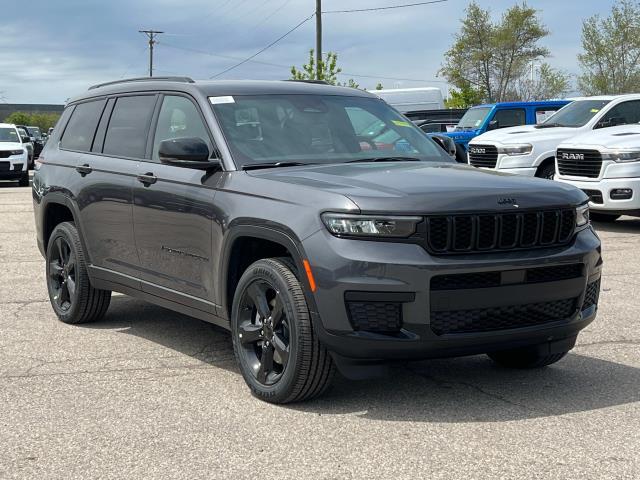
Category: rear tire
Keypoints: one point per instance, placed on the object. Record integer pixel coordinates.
(279, 354)
(547, 171)
(461, 154)
(73, 298)
(24, 179)
(525, 358)
(603, 217)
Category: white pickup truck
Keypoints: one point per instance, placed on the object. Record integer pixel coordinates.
(606, 166)
(530, 150)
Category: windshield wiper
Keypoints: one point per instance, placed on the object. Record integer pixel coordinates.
(386, 159)
(256, 166)
(549, 125)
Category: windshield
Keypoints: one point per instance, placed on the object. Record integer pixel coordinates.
(9, 135)
(474, 118)
(35, 132)
(318, 129)
(575, 114)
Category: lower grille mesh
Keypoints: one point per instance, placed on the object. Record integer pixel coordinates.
(500, 318)
(381, 317)
(592, 295)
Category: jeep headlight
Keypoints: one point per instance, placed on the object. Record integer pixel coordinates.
(516, 149)
(582, 215)
(622, 156)
(348, 225)
(17, 152)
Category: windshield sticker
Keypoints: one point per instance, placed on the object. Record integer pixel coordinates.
(400, 123)
(595, 110)
(478, 122)
(219, 100)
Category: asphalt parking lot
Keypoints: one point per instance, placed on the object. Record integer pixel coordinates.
(148, 393)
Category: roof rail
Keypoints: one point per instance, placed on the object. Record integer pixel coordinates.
(319, 82)
(144, 79)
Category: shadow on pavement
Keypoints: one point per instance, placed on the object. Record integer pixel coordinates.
(470, 389)
(623, 225)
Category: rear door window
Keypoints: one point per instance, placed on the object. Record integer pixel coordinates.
(82, 126)
(129, 126)
(510, 117)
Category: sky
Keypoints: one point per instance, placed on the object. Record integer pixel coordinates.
(54, 50)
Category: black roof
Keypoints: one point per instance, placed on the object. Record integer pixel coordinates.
(215, 88)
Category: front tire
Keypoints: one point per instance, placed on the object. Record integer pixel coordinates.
(547, 171)
(279, 354)
(525, 358)
(72, 296)
(603, 217)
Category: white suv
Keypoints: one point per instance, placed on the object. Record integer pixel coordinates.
(606, 166)
(530, 150)
(14, 158)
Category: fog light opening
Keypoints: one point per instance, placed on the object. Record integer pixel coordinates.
(621, 194)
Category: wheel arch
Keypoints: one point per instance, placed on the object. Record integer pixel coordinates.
(57, 208)
(240, 239)
(546, 161)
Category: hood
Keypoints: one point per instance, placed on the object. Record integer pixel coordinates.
(425, 187)
(4, 146)
(461, 136)
(525, 134)
(622, 137)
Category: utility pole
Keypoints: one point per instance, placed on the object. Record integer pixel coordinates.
(152, 35)
(318, 38)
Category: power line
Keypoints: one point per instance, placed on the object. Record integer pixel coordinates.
(281, 65)
(385, 8)
(264, 48)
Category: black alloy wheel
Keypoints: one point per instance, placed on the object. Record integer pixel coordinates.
(62, 274)
(263, 332)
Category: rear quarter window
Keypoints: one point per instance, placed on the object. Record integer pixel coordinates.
(82, 126)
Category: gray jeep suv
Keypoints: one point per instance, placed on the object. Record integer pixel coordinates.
(316, 223)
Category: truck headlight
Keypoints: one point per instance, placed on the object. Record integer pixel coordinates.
(622, 156)
(342, 224)
(519, 149)
(582, 215)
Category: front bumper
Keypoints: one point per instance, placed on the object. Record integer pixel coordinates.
(343, 266)
(13, 167)
(599, 189)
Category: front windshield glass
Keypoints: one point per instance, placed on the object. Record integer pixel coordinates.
(9, 135)
(575, 114)
(474, 118)
(35, 131)
(318, 129)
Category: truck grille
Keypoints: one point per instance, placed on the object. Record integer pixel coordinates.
(579, 163)
(483, 156)
(501, 318)
(450, 234)
(5, 153)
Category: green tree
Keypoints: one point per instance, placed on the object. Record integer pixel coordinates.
(490, 57)
(464, 97)
(551, 83)
(41, 120)
(19, 118)
(329, 71)
(611, 58)
(379, 86)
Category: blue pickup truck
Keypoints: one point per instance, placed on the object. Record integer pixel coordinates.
(487, 117)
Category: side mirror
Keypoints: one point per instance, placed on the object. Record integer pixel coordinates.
(493, 125)
(26, 140)
(187, 152)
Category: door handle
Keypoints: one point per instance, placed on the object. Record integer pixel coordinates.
(84, 169)
(147, 179)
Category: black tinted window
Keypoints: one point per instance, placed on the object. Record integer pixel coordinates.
(510, 118)
(82, 126)
(129, 126)
(623, 113)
